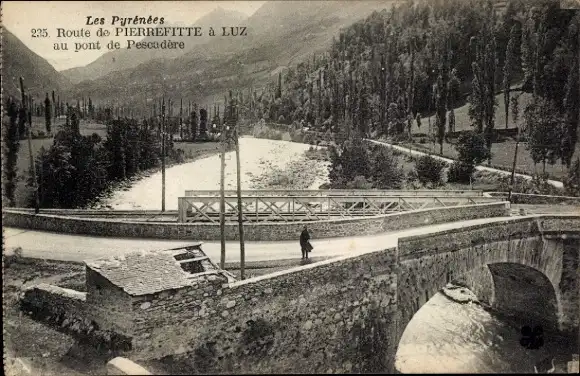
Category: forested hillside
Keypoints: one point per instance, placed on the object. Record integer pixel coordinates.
(384, 73)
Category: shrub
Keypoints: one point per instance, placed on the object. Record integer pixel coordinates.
(359, 182)
(348, 161)
(276, 136)
(572, 182)
(537, 185)
(429, 170)
(296, 136)
(460, 172)
(308, 138)
(178, 155)
(385, 170)
(286, 136)
(472, 149)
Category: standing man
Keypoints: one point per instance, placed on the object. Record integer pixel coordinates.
(305, 243)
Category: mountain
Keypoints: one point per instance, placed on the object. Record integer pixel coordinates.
(19, 61)
(124, 59)
(279, 33)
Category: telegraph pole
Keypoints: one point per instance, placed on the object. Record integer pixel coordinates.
(32, 165)
(163, 155)
(233, 116)
(181, 119)
(513, 175)
(222, 196)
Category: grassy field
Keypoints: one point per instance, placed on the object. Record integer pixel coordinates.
(463, 123)
(502, 153)
(191, 150)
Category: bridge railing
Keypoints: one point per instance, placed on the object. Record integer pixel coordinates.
(101, 212)
(338, 192)
(310, 208)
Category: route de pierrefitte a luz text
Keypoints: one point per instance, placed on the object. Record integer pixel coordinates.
(121, 29)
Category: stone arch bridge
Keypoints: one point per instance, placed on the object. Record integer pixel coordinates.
(348, 314)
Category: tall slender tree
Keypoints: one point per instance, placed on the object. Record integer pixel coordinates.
(47, 114)
(508, 70)
(10, 151)
(571, 114)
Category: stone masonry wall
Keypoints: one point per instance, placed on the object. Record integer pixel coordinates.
(525, 295)
(155, 312)
(254, 231)
(570, 285)
(561, 222)
(334, 316)
(108, 304)
(67, 310)
(480, 282)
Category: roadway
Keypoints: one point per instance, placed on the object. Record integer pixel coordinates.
(555, 183)
(55, 246)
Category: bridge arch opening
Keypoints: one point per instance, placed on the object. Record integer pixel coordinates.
(456, 332)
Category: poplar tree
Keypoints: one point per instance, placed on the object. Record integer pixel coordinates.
(279, 88)
(452, 94)
(571, 114)
(440, 110)
(508, 69)
(10, 151)
(47, 114)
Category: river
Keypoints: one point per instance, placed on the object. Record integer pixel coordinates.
(258, 158)
(449, 337)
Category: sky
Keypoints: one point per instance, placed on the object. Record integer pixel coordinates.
(21, 17)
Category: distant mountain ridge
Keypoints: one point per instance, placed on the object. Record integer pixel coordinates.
(125, 59)
(20, 61)
(279, 33)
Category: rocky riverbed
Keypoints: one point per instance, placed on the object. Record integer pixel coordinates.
(264, 164)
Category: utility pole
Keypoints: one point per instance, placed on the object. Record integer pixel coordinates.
(233, 116)
(181, 119)
(163, 155)
(32, 165)
(222, 196)
(514, 166)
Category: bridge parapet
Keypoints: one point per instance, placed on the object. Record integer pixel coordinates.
(561, 223)
(261, 231)
(465, 237)
(338, 192)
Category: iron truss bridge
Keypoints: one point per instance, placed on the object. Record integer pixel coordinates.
(304, 206)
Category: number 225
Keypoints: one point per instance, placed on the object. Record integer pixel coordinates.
(39, 33)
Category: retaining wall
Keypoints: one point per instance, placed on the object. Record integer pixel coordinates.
(317, 318)
(253, 231)
(527, 198)
(69, 312)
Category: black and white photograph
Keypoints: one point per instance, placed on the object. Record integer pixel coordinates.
(290, 187)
